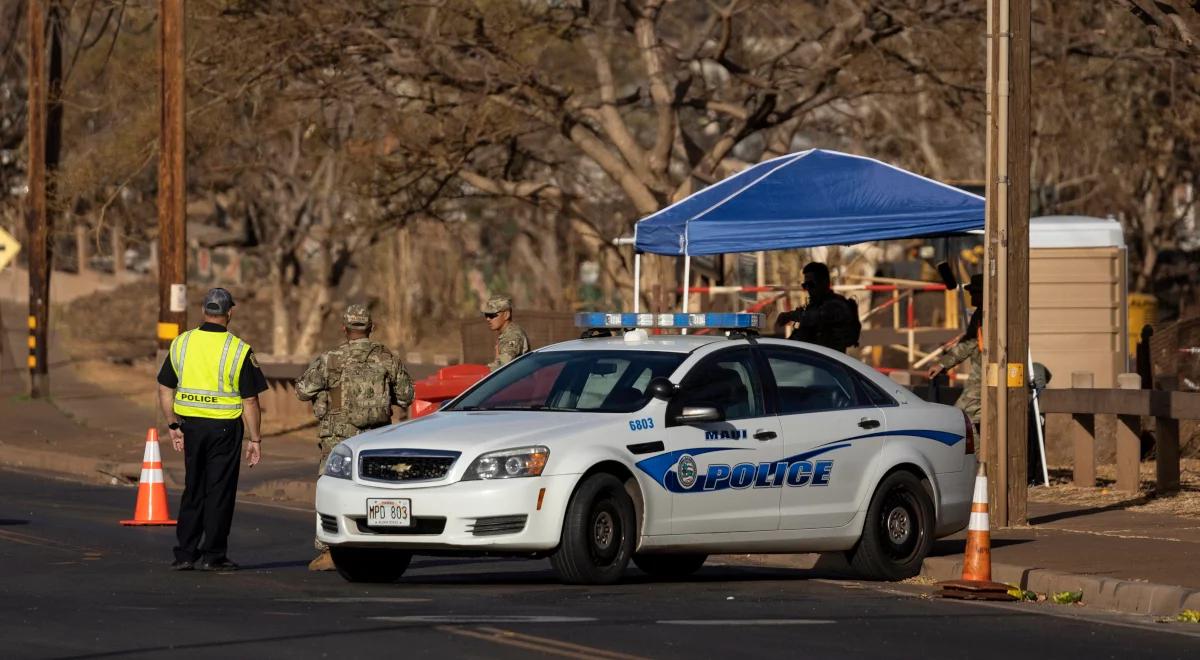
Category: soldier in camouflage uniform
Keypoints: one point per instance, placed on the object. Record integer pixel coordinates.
(511, 341)
(968, 348)
(353, 388)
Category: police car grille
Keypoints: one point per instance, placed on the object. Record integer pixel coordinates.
(329, 523)
(405, 468)
(496, 525)
(421, 525)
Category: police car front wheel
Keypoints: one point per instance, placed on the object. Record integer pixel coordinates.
(370, 564)
(898, 531)
(598, 533)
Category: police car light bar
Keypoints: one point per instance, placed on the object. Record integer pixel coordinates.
(720, 320)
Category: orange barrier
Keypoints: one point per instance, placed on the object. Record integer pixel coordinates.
(447, 383)
(977, 559)
(152, 492)
(976, 582)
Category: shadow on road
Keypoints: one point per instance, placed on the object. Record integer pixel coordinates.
(1087, 511)
(958, 546)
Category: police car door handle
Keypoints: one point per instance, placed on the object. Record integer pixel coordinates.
(764, 435)
(868, 423)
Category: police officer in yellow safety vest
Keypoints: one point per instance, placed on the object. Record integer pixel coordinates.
(209, 382)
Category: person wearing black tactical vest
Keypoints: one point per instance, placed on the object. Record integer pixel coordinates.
(829, 319)
(209, 383)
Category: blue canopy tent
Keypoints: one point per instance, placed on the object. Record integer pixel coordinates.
(807, 199)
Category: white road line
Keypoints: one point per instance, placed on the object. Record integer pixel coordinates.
(745, 622)
(481, 618)
(353, 599)
(274, 505)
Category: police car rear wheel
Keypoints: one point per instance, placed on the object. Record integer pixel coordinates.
(669, 566)
(370, 564)
(598, 533)
(898, 532)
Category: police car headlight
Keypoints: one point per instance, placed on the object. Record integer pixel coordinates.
(509, 463)
(340, 463)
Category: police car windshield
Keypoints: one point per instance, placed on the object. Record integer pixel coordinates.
(573, 381)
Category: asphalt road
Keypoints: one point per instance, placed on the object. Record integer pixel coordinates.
(74, 583)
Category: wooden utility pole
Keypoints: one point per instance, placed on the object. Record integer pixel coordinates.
(45, 145)
(172, 181)
(1006, 288)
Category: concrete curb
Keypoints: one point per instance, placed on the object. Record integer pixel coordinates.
(287, 490)
(80, 468)
(1129, 596)
(62, 464)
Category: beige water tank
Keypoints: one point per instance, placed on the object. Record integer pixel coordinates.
(1077, 297)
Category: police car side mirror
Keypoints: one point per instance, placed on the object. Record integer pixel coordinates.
(661, 388)
(694, 414)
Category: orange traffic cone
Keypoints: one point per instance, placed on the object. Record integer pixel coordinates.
(976, 582)
(152, 492)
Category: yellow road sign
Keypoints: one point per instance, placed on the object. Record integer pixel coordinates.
(9, 247)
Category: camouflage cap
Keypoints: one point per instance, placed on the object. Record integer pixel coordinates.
(357, 317)
(497, 304)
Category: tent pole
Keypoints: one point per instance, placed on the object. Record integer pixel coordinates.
(637, 281)
(687, 283)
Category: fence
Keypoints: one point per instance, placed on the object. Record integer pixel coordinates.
(899, 333)
(1114, 416)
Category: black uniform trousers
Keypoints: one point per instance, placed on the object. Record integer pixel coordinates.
(212, 449)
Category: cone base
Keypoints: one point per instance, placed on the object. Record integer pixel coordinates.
(974, 590)
(146, 523)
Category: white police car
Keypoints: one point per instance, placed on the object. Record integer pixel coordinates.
(660, 450)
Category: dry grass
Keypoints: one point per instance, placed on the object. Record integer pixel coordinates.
(1185, 503)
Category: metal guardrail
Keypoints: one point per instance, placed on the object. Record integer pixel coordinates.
(1115, 415)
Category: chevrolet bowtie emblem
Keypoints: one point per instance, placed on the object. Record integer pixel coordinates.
(400, 469)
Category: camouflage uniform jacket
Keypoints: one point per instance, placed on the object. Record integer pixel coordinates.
(968, 348)
(319, 383)
(510, 345)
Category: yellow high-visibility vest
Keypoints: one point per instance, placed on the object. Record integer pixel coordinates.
(208, 365)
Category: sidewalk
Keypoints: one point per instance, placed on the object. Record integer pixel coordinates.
(1140, 563)
(1129, 561)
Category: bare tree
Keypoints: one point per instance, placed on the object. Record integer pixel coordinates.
(598, 113)
(1174, 24)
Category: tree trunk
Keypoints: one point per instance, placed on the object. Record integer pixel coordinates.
(81, 247)
(319, 295)
(310, 330)
(281, 320)
(118, 246)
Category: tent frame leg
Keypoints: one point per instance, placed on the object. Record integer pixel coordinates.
(687, 283)
(637, 282)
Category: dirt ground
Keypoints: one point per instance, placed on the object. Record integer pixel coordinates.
(1185, 503)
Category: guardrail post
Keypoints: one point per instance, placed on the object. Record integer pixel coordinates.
(1128, 442)
(1166, 443)
(1106, 430)
(1129, 451)
(1082, 432)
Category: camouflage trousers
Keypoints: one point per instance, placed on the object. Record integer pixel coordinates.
(326, 445)
(970, 402)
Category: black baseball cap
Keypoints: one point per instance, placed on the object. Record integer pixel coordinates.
(218, 302)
